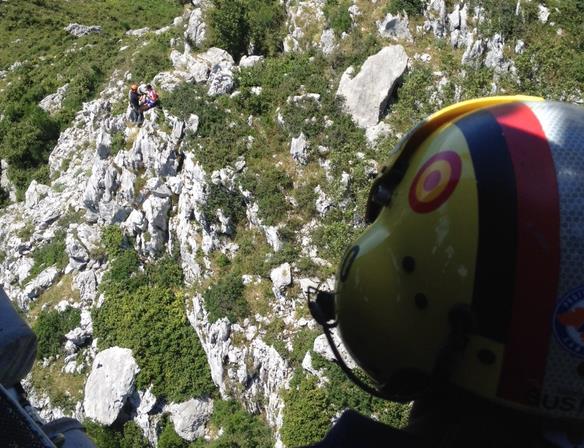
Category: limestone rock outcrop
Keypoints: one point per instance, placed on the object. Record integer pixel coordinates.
(367, 93)
(110, 384)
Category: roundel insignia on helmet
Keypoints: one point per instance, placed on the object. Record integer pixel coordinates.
(569, 322)
(435, 181)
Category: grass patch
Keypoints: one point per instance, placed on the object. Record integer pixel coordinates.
(51, 254)
(62, 290)
(64, 389)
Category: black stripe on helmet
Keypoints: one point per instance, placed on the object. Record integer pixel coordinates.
(497, 207)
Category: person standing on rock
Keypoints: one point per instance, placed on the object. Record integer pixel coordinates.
(136, 115)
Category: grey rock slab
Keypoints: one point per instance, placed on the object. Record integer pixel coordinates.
(196, 31)
(54, 102)
(250, 61)
(41, 283)
(156, 212)
(78, 30)
(328, 42)
(109, 384)
(191, 417)
(299, 149)
(367, 93)
(394, 27)
(86, 283)
(281, 276)
(322, 347)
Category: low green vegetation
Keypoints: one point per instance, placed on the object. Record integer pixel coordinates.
(239, 430)
(51, 327)
(129, 436)
(410, 7)
(113, 240)
(145, 311)
(237, 25)
(51, 254)
(269, 184)
(310, 407)
(225, 299)
(230, 202)
(337, 15)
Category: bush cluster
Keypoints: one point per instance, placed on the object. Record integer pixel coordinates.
(231, 203)
(337, 15)
(145, 311)
(411, 7)
(268, 185)
(239, 430)
(51, 327)
(225, 299)
(238, 25)
(310, 408)
(129, 436)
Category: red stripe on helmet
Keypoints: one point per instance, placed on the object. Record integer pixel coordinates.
(538, 253)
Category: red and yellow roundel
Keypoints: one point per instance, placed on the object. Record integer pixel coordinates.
(435, 181)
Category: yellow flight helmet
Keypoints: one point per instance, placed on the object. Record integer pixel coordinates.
(472, 270)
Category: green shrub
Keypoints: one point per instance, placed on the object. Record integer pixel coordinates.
(170, 439)
(342, 393)
(240, 429)
(337, 15)
(230, 202)
(151, 320)
(266, 20)
(332, 239)
(411, 7)
(411, 104)
(229, 27)
(48, 255)
(225, 299)
(236, 24)
(268, 185)
(122, 276)
(112, 239)
(118, 143)
(307, 414)
(129, 436)
(51, 327)
(82, 87)
(151, 59)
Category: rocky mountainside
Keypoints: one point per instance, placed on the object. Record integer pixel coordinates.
(165, 267)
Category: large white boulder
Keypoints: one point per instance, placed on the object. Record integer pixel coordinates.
(367, 93)
(190, 418)
(109, 385)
